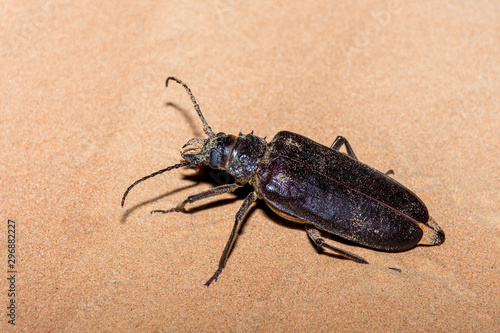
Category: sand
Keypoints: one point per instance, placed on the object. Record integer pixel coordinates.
(413, 86)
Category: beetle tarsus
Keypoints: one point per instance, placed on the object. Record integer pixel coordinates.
(214, 277)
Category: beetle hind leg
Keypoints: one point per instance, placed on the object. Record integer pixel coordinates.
(341, 141)
(315, 235)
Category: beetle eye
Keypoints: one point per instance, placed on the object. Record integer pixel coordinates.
(215, 157)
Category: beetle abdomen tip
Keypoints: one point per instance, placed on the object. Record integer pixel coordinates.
(433, 234)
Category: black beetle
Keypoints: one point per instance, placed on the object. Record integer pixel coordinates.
(306, 182)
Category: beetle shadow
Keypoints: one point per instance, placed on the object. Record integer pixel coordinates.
(195, 125)
(130, 210)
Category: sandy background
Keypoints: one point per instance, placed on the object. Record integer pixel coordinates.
(413, 85)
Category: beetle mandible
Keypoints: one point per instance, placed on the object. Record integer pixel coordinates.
(306, 182)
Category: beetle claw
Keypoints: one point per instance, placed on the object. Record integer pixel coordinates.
(214, 277)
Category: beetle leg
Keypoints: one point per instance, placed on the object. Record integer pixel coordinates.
(239, 216)
(389, 172)
(206, 194)
(315, 235)
(337, 144)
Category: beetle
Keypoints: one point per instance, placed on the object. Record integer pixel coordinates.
(306, 182)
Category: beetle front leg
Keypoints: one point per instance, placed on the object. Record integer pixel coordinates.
(206, 194)
(239, 216)
(337, 144)
(315, 235)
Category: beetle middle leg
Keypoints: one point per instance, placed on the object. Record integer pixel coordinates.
(315, 235)
(225, 254)
(339, 142)
(206, 194)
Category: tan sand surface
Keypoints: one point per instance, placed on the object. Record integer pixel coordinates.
(413, 85)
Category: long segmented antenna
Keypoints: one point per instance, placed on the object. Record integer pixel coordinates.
(180, 165)
(206, 128)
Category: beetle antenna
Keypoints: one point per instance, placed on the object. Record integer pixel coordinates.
(180, 165)
(206, 128)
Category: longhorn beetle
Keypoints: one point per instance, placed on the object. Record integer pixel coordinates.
(306, 182)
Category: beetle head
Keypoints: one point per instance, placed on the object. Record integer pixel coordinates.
(214, 151)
